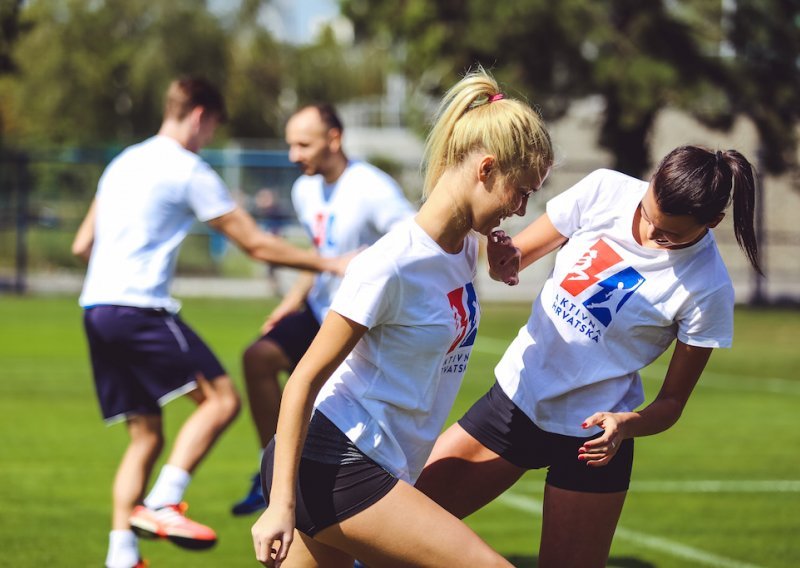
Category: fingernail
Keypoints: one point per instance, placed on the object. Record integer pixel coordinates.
(584, 425)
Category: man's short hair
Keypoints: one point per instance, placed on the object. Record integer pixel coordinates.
(186, 93)
(328, 115)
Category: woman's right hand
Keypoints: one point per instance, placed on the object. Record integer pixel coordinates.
(276, 524)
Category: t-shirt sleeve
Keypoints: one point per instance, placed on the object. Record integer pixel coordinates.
(708, 321)
(571, 209)
(389, 205)
(370, 290)
(208, 195)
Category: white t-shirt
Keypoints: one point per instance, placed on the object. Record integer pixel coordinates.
(392, 394)
(355, 211)
(609, 308)
(147, 199)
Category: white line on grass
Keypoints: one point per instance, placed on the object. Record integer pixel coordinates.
(718, 486)
(664, 545)
(710, 379)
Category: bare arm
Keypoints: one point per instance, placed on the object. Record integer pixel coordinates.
(84, 237)
(291, 302)
(242, 229)
(508, 257)
(685, 367)
(538, 239)
(334, 341)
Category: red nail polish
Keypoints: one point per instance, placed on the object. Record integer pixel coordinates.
(584, 425)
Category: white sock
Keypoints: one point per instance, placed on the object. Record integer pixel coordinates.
(123, 549)
(169, 488)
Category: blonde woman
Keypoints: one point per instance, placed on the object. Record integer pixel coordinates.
(381, 375)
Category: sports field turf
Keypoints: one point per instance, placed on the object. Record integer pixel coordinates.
(721, 488)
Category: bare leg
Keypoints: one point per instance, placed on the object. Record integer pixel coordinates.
(218, 405)
(406, 528)
(263, 362)
(308, 553)
(133, 473)
(462, 475)
(578, 528)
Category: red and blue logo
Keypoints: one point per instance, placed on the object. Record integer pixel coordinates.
(321, 231)
(464, 304)
(613, 285)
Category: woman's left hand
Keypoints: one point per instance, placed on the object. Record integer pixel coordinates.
(599, 451)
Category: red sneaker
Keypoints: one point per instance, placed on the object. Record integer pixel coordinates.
(170, 522)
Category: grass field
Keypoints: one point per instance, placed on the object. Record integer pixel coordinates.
(721, 488)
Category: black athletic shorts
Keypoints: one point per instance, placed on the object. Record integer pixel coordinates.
(497, 423)
(294, 333)
(336, 480)
(143, 358)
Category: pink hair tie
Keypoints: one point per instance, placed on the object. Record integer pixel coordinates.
(497, 97)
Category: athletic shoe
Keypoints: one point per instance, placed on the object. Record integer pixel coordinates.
(253, 502)
(171, 523)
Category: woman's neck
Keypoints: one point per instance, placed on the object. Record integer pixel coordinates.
(444, 218)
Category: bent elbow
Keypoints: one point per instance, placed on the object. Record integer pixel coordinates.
(81, 251)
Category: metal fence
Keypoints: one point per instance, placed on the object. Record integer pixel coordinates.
(44, 196)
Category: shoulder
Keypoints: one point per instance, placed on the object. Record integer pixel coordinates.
(384, 256)
(362, 172)
(305, 184)
(605, 186)
(608, 181)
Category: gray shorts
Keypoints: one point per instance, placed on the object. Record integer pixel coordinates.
(142, 358)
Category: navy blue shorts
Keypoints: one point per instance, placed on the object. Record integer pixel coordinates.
(497, 423)
(336, 480)
(142, 358)
(294, 333)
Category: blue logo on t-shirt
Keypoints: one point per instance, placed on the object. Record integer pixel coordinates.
(615, 291)
(584, 278)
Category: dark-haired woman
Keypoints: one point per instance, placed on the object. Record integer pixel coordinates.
(638, 271)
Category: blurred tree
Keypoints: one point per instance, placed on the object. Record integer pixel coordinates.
(328, 70)
(10, 30)
(95, 71)
(640, 56)
(647, 58)
(258, 67)
(534, 44)
(764, 74)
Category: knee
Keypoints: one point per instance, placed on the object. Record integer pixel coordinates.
(232, 406)
(228, 404)
(262, 360)
(149, 443)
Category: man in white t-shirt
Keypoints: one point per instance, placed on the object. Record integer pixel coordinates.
(344, 205)
(143, 354)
